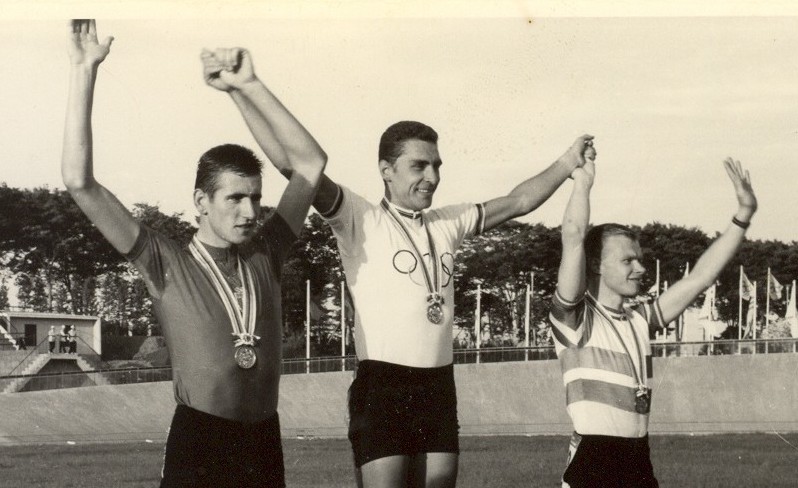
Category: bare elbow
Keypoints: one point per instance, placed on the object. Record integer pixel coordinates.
(77, 184)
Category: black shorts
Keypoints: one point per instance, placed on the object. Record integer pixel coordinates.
(203, 450)
(609, 462)
(401, 410)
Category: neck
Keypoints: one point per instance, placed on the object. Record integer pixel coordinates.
(403, 211)
(604, 295)
(206, 235)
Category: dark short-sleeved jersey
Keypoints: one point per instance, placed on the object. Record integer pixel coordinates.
(197, 328)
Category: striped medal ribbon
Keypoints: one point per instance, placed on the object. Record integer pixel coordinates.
(432, 279)
(643, 393)
(242, 321)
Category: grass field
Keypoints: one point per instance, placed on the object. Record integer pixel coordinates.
(751, 460)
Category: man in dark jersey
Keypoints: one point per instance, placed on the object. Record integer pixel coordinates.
(218, 299)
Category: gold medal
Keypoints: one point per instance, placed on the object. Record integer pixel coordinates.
(432, 277)
(245, 357)
(435, 313)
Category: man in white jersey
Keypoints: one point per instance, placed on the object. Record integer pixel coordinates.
(603, 342)
(399, 264)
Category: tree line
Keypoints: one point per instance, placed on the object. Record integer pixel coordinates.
(59, 262)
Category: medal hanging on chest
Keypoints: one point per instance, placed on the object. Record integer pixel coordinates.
(242, 316)
(432, 278)
(642, 393)
(643, 400)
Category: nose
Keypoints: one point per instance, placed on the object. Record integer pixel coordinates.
(249, 209)
(639, 268)
(432, 174)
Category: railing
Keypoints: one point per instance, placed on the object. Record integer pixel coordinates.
(349, 363)
(724, 347)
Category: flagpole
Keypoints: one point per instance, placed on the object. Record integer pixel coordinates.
(478, 321)
(740, 306)
(753, 321)
(307, 326)
(343, 326)
(680, 324)
(767, 302)
(526, 323)
(657, 278)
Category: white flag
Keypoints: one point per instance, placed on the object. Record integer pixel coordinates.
(746, 288)
(791, 316)
(775, 288)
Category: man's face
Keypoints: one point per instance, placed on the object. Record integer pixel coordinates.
(621, 268)
(414, 176)
(232, 212)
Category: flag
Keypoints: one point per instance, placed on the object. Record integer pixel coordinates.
(791, 316)
(750, 319)
(654, 290)
(746, 288)
(708, 317)
(775, 287)
(708, 309)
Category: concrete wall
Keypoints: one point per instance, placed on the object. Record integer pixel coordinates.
(706, 394)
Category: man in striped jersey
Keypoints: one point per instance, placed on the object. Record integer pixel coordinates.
(603, 343)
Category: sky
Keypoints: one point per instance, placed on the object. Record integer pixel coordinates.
(667, 95)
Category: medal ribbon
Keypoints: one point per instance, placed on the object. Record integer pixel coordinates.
(639, 376)
(433, 282)
(242, 321)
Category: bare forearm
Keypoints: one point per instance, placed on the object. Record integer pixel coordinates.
(76, 161)
(285, 141)
(577, 214)
(530, 194)
(717, 256)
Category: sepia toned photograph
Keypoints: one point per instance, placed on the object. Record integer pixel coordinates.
(398, 244)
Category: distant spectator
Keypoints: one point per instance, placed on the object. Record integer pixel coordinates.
(62, 339)
(21, 343)
(73, 340)
(51, 339)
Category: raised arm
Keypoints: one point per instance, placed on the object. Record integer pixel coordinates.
(571, 277)
(112, 219)
(287, 144)
(531, 194)
(682, 293)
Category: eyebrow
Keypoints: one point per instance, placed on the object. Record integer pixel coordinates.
(244, 195)
(437, 162)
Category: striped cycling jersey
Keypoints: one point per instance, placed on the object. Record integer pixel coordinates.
(600, 382)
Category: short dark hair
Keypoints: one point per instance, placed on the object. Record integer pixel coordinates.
(594, 241)
(225, 158)
(392, 140)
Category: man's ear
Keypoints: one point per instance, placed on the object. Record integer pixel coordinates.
(594, 266)
(386, 170)
(200, 201)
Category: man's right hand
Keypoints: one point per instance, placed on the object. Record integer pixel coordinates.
(227, 69)
(587, 172)
(83, 48)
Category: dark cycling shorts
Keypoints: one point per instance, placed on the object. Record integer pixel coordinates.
(609, 462)
(402, 410)
(203, 450)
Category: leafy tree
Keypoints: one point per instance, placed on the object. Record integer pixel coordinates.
(49, 237)
(4, 303)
